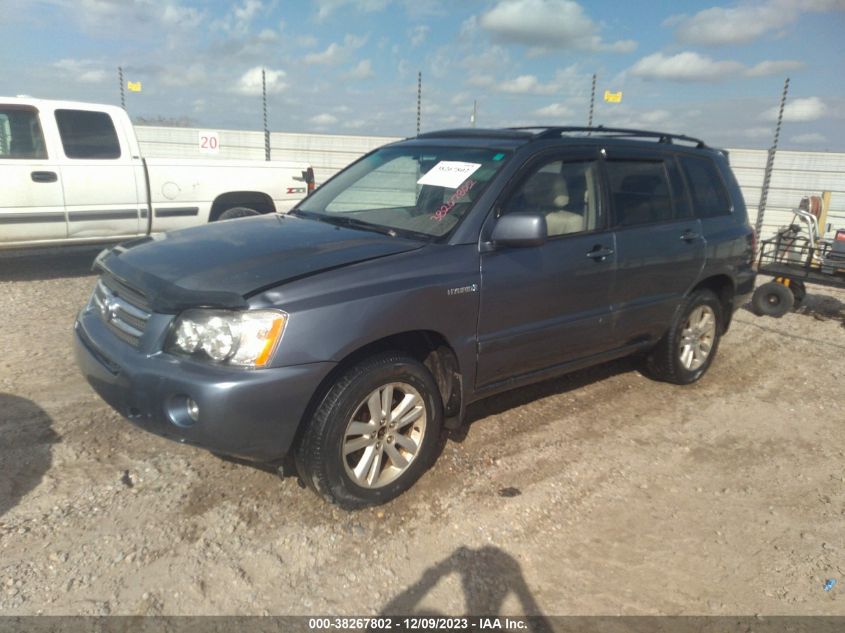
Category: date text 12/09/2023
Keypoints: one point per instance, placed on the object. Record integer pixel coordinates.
(405, 623)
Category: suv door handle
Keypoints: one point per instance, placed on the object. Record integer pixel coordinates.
(44, 176)
(690, 235)
(600, 253)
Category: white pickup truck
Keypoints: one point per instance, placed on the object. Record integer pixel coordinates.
(73, 173)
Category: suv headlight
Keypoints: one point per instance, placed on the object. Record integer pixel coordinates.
(246, 338)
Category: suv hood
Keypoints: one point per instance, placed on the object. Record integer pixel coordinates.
(220, 264)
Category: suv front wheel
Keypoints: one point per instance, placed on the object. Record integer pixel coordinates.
(376, 432)
(687, 350)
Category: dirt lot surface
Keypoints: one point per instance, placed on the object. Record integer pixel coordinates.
(599, 493)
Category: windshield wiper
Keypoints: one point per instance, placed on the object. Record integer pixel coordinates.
(348, 222)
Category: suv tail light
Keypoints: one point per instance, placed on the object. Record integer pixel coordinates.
(840, 235)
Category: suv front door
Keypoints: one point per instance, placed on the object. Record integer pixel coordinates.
(660, 246)
(546, 305)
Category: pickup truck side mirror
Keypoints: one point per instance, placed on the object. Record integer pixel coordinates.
(520, 229)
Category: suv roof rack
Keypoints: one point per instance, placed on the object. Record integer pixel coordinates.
(614, 132)
(506, 133)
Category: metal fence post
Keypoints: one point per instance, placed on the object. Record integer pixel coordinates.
(264, 106)
(770, 164)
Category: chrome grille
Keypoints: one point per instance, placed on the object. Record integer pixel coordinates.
(124, 310)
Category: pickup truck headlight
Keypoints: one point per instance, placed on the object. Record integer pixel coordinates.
(246, 338)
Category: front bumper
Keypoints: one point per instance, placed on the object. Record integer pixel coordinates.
(251, 414)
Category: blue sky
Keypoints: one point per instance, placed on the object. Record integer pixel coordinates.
(350, 67)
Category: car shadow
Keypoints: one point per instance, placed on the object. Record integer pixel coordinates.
(25, 450)
(48, 263)
(521, 396)
(488, 575)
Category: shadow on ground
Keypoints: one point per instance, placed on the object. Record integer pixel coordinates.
(25, 449)
(488, 575)
(48, 263)
(495, 405)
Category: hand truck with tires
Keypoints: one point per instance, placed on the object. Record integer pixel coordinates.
(794, 257)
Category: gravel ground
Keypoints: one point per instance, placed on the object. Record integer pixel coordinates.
(598, 493)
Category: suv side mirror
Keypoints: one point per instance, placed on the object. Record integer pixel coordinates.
(520, 229)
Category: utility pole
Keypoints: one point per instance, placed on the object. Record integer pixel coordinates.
(120, 80)
(419, 100)
(592, 103)
(264, 107)
(770, 164)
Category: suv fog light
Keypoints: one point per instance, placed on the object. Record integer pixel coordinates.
(193, 409)
(183, 411)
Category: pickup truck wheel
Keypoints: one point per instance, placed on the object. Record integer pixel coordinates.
(376, 432)
(687, 350)
(772, 299)
(237, 212)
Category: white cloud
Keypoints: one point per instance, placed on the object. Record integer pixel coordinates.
(327, 7)
(526, 84)
(187, 75)
(175, 15)
(363, 70)
(548, 24)
(811, 138)
(324, 119)
(799, 110)
(555, 110)
(758, 132)
(336, 53)
(685, 66)
(82, 70)
(418, 35)
(250, 81)
(769, 67)
(745, 22)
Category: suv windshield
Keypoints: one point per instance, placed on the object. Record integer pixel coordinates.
(422, 192)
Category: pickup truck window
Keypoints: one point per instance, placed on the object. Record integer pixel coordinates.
(20, 134)
(419, 191)
(87, 134)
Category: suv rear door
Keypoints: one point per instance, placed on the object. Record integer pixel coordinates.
(660, 246)
(546, 305)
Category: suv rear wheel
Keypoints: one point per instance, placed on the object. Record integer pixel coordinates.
(687, 350)
(376, 432)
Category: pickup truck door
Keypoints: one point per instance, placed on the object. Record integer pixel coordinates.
(543, 306)
(103, 182)
(31, 199)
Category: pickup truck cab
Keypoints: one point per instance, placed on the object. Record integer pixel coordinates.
(429, 274)
(73, 173)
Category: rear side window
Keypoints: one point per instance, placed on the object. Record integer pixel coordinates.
(639, 191)
(20, 134)
(87, 134)
(709, 196)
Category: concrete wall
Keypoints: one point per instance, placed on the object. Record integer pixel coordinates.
(796, 173)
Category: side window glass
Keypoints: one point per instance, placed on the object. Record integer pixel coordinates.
(87, 134)
(566, 193)
(709, 197)
(679, 194)
(20, 134)
(639, 192)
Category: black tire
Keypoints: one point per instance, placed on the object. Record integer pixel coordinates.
(772, 299)
(799, 291)
(664, 362)
(237, 212)
(319, 455)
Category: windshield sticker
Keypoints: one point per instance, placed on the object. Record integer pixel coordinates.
(447, 206)
(448, 173)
